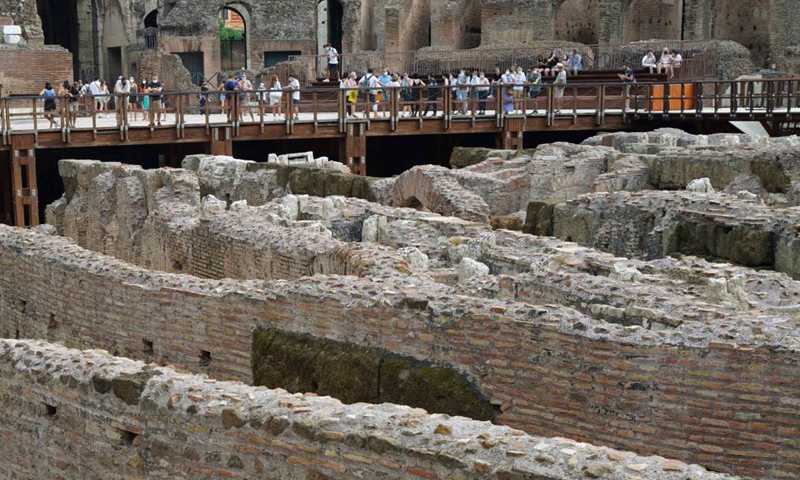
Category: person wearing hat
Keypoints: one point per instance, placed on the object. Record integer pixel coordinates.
(560, 81)
(665, 63)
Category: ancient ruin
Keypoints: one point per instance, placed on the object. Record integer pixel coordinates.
(655, 313)
(246, 269)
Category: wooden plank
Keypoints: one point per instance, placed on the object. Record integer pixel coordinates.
(25, 191)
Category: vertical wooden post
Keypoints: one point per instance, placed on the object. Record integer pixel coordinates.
(355, 147)
(221, 141)
(23, 181)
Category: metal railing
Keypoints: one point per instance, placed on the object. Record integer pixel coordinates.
(770, 99)
(701, 55)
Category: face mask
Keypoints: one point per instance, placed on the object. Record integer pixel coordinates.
(481, 75)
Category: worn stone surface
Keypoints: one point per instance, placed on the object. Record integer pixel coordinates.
(232, 430)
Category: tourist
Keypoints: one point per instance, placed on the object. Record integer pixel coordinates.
(333, 63)
(122, 89)
(665, 63)
(75, 95)
(351, 83)
(371, 82)
(677, 60)
(202, 98)
(229, 87)
(649, 61)
(104, 95)
(276, 97)
(560, 81)
(462, 92)
(94, 90)
(575, 64)
(551, 62)
(383, 95)
(154, 89)
(629, 79)
(483, 88)
(509, 80)
(244, 88)
(294, 86)
(432, 95)
(394, 90)
(416, 91)
(145, 100)
(405, 85)
(519, 89)
(133, 99)
(535, 82)
(496, 81)
(49, 103)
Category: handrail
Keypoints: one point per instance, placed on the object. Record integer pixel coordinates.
(765, 98)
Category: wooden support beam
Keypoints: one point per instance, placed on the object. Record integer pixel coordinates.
(23, 181)
(355, 147)
(221, 141)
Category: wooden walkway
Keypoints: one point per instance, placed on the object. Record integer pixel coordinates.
(324, 114)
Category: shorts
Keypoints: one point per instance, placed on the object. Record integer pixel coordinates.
(333, 68)
(559, 92)
(534, 94)
(296, 101)
(518, 91)
(74, 107)
(461, 95)
(155, 104)
(373, 98)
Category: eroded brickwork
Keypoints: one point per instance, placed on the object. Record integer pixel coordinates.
(126, 414)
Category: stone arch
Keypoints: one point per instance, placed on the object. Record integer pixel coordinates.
(243, 10)
(646, 19)
(330, 15)
(578, 21)
(438, 190)
(151, 19)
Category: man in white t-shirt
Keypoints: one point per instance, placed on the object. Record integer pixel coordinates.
(94, 89)
(333, 62)
(294, 86)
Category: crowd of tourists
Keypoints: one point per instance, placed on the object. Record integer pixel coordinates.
(144, 98)
(514, 88)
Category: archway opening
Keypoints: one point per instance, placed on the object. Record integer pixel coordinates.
(114, 42)
(151, 20)
(233, 40)
(60, 25)
(335, 16)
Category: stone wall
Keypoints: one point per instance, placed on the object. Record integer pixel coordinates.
(456, 23)
(516, 21)
(578, 21)
(115, 418)
(206, 326)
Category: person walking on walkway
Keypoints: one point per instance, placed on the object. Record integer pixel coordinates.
(276, 97)
(294, 86)
(49, 103)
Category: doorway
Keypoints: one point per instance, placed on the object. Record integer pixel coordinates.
(232, 39)
(114, 62)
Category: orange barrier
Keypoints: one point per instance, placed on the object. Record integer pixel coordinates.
(674, 97)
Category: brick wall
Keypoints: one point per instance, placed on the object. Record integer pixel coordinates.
(71, 414)
(647, 19)
(684, 393)
(26, 71)
(578, 21)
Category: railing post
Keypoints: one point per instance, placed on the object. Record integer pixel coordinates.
(35, 119)
(393, 107)
(447, 106)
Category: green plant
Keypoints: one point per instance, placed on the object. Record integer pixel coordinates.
(227, 33)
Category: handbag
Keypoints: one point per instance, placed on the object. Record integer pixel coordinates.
(379, 97)
(352, 96)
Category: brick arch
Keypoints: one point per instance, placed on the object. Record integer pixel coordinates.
(438, 190)
(647, 19)
(578, 21)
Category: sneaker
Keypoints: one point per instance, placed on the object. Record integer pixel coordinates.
(159, 124)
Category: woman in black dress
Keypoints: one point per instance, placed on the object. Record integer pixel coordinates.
(49, 103)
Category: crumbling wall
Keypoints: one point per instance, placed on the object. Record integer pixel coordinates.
(144, 422)
(206, 325)
(407, 25)
(456, 23)
(42, 64)
(653, 19)
(578, 21)
(24, 14)
(516, 21)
